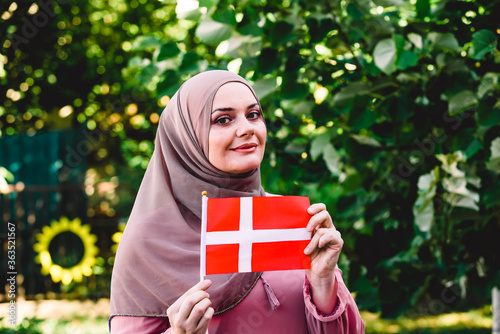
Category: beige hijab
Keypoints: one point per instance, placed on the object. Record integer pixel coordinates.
(158, 257)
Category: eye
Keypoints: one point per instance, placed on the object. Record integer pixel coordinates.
(222, 120)
(254, 114)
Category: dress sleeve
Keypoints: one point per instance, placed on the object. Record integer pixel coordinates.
(345, 318)
(138, 325)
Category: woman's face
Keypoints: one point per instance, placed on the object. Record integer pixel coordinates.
(237, 137)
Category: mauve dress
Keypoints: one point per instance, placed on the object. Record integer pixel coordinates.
(295, 314)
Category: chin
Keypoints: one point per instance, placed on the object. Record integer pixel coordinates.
(244, 169)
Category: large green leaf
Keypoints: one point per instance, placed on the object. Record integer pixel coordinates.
(444, 41)
(407, 59)
(366, 140)
(455, 183)
(355, 11)
(349, 92)
(147, 74)
(493, 163)
(188, 10)
(423, 209)
(169, 78)
(318, 145)
(264, 87)
(168, 50)
(423, 8)
(332, 159)
(146, 43)
(225, 16)
(488, 83)
(488, 112)
(483, 42)
(384, 55)
(416, 40)
(239, 47)
(212, 32)
(461, 102)
(458, 195)
(189, 61)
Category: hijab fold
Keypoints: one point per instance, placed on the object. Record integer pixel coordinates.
(158, 258)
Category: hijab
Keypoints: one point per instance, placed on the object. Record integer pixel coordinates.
(158, 258)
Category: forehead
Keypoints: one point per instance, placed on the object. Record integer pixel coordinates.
(233, 92)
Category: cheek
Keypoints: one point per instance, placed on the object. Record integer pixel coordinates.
(216, 145)
(212, 145)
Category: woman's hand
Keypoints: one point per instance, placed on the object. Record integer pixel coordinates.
(191, 313)
(324, 249)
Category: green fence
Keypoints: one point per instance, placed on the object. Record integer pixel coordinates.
(49, 173)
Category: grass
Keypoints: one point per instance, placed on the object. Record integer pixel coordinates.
(59, 326)
(471, 322)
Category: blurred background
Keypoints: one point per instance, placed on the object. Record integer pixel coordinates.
(387, 111)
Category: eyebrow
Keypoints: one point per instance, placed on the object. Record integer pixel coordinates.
(232, 109)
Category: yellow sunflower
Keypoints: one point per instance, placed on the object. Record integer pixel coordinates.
(117, 237)
(57, 272)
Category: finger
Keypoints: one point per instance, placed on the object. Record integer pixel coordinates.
(205, 320)
(315, 208)
(200, 286)
(320, 219)
(313, 244)
(191, 302)
(199, 309)
(197, 314)
(322, 238)
(329, 237)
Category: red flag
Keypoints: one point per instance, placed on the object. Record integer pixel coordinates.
(251, 234)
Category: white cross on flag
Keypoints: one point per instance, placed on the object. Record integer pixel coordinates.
(250, 234)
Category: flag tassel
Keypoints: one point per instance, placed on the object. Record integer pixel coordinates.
(274, 303)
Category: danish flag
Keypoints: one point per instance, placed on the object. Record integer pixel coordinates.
(250, 234)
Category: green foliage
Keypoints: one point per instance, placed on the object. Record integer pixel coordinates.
(54, 324)
(385, 110)
(27, 326)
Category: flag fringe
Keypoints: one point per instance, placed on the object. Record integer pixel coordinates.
(274, 303)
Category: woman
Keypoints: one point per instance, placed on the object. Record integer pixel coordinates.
(211, 137)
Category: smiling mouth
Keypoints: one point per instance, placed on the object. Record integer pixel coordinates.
(245, 148)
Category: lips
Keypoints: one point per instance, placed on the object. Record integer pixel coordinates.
(248, 147)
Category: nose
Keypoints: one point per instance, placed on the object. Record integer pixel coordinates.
(244, 127)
